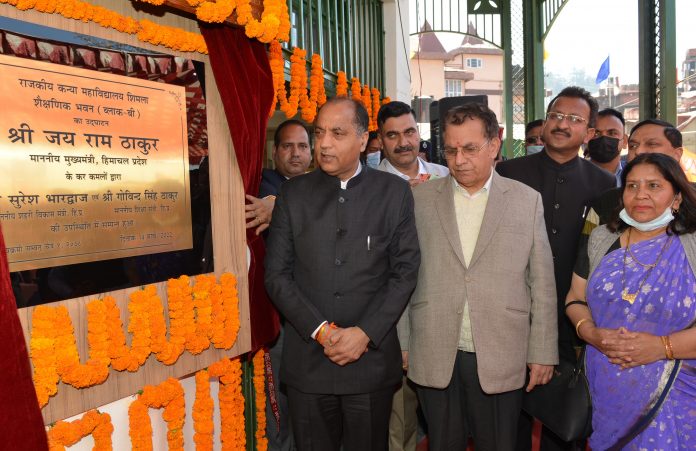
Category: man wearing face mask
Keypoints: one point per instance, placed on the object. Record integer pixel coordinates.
(648, 136)
(533, 141)
(605, 148)
(372, 154)
(398, 133)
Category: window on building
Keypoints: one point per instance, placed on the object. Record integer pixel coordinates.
(453, 88)
(474, 62)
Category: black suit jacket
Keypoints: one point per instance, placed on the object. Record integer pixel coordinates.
(566, 191)
(271, 180)
(319, 268)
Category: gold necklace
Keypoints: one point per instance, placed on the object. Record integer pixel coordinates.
(631, 297)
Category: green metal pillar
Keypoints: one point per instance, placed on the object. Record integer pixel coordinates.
(647, 58)
(249, 401)
(533, 61)
(506, 31)
(668, 58)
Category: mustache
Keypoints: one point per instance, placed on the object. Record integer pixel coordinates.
(558, 130)
(402, 149)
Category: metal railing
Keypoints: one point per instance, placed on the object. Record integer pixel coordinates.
(348, 35)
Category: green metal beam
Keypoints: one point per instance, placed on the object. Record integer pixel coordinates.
(506, 31)
(668, 59)
(533, 61)
(647, 42)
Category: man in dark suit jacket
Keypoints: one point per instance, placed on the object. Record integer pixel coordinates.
(567, 184)
(291, 157)
(343, 250)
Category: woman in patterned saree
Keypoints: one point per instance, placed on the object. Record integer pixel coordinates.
(633, 300)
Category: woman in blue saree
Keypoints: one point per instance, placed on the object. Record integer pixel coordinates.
(636, 307)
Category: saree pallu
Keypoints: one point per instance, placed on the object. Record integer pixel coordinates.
(666, 303)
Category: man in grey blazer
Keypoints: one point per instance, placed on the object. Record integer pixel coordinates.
(484, 308)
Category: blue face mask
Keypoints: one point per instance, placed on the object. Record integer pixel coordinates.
(661, 221)
(531, 150)
(372, 160)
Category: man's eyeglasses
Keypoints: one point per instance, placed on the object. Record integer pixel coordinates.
(573, 119)
(468, 151)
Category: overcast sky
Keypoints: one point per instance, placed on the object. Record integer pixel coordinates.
(586, 31)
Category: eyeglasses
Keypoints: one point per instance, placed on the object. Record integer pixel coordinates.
(468, 151)
(573, 119)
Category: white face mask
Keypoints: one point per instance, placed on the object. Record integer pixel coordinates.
(372, 160)
(661, 221)
(531, 150)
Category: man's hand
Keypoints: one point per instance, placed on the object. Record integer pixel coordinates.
(346, 345)
(538, 375)
(260, 212)
(404, 360)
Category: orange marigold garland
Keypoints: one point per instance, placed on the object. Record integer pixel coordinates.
(355, 89)
(386, 100)
(244, 12)
(274, 23)
(93, 423)
(230, 301)
(366, 99)
(174, 38)
(341, 84)
(41, 347)
(375, 107)
(260, 399)
(231, 400)
(300, 85)
(285, 26)
(216, 11)
(202, 301)
(166, 351)
(139, 426)
(270, 20)
(70, 370)
(168, 395)
(298, 82)
(123, 357)
(203, 413)
(154, 2)
(185, 318)
(275, 59)
(54, 351)
(219, 312)
(317, 92)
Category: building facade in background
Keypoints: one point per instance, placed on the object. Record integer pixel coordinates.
(473, 68)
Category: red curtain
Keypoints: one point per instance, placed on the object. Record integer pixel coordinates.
(21, 424)
(243, 77)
